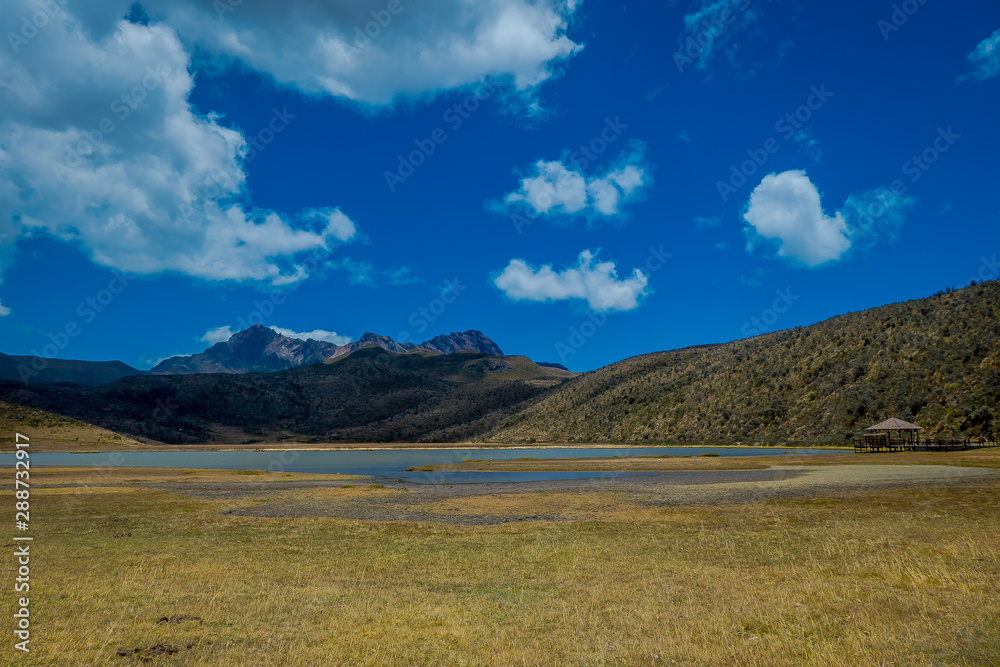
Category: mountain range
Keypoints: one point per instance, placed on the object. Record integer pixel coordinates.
(368, 395)
(256, 349)
(933, 361)
(260, 349)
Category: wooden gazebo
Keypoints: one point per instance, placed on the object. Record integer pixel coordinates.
(892, 435)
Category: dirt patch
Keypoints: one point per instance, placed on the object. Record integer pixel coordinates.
(182, 618)
(149, 653)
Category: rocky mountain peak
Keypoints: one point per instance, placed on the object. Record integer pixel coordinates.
(259, 348)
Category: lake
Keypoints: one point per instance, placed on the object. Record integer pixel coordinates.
(387, 463)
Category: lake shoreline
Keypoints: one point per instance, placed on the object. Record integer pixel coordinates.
(445, 446)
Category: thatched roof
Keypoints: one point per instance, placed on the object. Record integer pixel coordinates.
(893, 424)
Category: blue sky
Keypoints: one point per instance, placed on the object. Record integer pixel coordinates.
(582, 181)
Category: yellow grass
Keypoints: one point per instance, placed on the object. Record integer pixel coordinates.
(893, 577)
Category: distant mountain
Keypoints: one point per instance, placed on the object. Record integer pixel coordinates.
(934, 362)
(44, 370)
(257, 349)
(551, 364)
(260, 349)
(370, 395)
(472, 340)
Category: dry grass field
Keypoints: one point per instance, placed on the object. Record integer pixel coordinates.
(171, 567)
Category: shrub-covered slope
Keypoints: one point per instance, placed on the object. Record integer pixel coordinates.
(933, 361)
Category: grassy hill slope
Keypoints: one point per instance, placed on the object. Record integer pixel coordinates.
(49, 431)
(934, 361)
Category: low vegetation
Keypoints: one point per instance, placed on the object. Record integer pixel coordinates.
(58, 432)
(933, 361)
(135, 569)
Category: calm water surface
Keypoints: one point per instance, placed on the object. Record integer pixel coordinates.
(386, 464)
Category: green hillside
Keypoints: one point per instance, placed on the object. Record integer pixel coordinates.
(933, 361)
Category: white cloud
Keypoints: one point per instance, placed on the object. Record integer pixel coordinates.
(315, 334)
(4, 310)
(217, 335)
(713, 27)
(596, 282)
(410, 49)
(984, 59)
(786, 208)
(339, 225)
(101, 147)
(874, 214)
(224, 333)
(555, 188)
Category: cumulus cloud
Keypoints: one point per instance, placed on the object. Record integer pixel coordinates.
(984, 59)
(785, 208)
(375, 51)
(596, 282)
(100, 146)
(557, 188)
(4, 310)
(315, 334)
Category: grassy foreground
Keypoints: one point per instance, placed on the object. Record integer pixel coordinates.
(893, 577)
